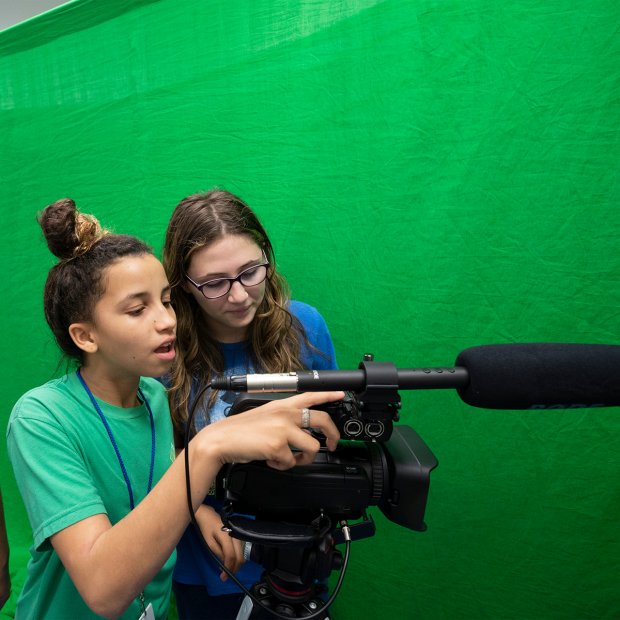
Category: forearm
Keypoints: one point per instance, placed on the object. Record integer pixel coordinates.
(124, 558)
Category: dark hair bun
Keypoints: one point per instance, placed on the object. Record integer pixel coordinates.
(68, 232)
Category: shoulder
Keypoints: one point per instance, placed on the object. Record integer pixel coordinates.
(310, 317)
(323, 357)
(43, 417)
(41, 403)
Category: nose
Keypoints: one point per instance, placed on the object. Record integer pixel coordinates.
(166, 319)
(237, 293)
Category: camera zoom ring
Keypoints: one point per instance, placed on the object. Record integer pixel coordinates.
(377, 473)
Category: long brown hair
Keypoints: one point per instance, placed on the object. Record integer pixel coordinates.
(275, 336)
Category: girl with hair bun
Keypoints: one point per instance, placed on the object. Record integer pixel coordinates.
(93, 451)
(235, 316)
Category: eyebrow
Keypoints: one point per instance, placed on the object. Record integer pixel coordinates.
(211, 276)
(133, 296)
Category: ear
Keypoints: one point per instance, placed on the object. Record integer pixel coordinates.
(83, 336)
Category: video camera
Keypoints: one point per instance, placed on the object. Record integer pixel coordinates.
(297, 511)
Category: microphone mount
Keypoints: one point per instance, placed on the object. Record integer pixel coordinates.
(380, 399)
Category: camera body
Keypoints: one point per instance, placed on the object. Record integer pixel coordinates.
(391, 471)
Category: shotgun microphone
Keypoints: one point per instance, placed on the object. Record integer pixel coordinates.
(541, 376)
(498, 376)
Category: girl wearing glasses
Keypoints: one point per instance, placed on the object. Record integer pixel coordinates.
(234, 316)
(92, 451)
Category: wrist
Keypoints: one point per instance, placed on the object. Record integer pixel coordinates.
(204, 509)
(211, 446)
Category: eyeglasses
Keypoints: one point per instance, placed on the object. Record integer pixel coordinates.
(220, 287)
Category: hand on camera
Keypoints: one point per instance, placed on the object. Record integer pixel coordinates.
(228, 549)
(268, 432)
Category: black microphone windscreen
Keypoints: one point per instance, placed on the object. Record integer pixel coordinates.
(541, 376)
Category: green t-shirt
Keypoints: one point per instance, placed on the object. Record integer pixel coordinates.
(67, 470)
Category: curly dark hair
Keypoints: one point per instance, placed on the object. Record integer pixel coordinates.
(77, 282)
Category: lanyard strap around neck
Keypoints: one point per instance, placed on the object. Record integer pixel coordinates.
(118, 454)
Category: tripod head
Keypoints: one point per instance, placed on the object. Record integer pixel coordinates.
(288, 586)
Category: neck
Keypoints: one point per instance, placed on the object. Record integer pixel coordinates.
(115, 389)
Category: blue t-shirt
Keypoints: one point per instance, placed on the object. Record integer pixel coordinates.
(194, 565)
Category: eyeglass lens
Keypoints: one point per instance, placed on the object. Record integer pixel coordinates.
(250, 277)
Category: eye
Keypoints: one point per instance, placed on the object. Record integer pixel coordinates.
(137, 312)
(213, 284)
(167, 303)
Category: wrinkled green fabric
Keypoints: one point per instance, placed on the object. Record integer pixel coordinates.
(434, 175)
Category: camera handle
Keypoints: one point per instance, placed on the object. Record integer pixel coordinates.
(279, 534)
(274, 533)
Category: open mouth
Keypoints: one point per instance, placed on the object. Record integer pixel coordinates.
(166, 351)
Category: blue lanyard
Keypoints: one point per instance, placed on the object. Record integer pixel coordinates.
(118, 454)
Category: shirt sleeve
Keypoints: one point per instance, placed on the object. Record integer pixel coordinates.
(51, 474)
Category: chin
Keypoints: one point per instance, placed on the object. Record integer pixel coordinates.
(249, 318)
(155, 371)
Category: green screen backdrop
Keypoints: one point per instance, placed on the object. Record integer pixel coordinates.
(434, 175)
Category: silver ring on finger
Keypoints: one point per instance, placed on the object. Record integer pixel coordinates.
(305, 418)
